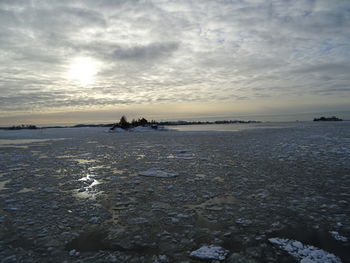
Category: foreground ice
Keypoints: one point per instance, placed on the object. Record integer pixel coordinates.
(338, 237)
(210, 252)
(304, 253)
(116, 130)
(238, 189)
(157, 173)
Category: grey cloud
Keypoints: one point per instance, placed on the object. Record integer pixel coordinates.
(147, 52)
(62, 20)
(133, 53)
(333, 90)
(51, 99)
(330, 68)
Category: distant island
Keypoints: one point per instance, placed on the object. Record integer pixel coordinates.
(142, 122)
(20, 127)
(333, 118)
(124, 124)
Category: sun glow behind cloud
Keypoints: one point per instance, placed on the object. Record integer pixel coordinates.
(83, 70)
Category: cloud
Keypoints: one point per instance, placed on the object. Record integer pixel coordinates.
(172, 51)
(148, 52)
(336, 68)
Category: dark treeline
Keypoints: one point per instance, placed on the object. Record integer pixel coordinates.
(20, 127)
(144, 122)
(124, 124)
(333, 118)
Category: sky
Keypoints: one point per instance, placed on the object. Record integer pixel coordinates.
(95, 60)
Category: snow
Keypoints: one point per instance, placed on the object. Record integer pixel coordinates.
(116, 130)
(142, 129)
(304, 253)
(138, 129)
(210, 252)
(153, 172)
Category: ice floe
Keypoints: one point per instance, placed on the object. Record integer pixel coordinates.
(244, 222)
(184, 154)
(338, 237)
(304, 253)
(153, 172)
(210, 252)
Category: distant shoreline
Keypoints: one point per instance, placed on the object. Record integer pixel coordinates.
(165, 123)
(109, 125)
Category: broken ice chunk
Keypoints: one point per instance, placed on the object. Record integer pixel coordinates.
(338, 237)
(244, 222)
(304, 253)
(157, 173)
(210, 252)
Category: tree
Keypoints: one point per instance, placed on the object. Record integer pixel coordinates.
(123, 123)
(142, 122)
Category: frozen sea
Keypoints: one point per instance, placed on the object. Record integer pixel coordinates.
(266, 192)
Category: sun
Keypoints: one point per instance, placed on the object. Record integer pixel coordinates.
(83, 70)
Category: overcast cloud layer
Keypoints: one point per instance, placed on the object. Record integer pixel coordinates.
(172, 51)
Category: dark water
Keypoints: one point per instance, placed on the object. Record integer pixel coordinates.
(96, 239)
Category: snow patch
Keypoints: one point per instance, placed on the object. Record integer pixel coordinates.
(304, 253)
(210, 252)
(142, 129)
(116, 130)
